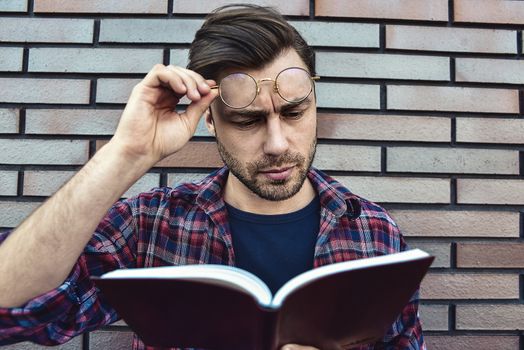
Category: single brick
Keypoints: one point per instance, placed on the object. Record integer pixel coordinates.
(13, 6)
(347, 158)
(464, 223)
(499, 254)
(73, 344)
(430, 10)
(441, 251)
(383, 66)
(179, 57)
(447, 98)
(452, 160)
(175, 179)
(399, 189)
(77, 60)
(490, 317)
(450, 39)
(9, 121)
(47, 152)
(11, 59)
(8, 183)
(434, 317)
(46, 30)
(289, 7)
(342, 95)
(144, 184)
(489, 11)
(63, 91)
(338, 33)
(102, 6)
(180, 31)
(490, 130)
(13, 213)
(487, 70)
(470, 286)
(472, 342)
(114, 90)
(490, 191)
(72, 121)
(110, 340)
(392, 127)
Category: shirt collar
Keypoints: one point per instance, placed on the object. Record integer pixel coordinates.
(333, 196)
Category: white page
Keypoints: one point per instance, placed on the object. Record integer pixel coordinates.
(320, 272)
(211, 273)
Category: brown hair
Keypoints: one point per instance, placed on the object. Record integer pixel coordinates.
(244, 36)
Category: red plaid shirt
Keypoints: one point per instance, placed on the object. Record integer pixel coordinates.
(188, 225)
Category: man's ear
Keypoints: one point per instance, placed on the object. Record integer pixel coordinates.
(210, 123)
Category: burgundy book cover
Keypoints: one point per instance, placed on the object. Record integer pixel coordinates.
(337, 311)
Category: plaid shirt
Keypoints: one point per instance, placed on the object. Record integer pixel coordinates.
(188, 225)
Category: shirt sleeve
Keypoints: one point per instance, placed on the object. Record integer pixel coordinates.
(75, 306)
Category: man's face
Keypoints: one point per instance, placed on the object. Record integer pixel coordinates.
(269, 145)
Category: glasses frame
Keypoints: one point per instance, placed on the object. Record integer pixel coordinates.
(275, 86)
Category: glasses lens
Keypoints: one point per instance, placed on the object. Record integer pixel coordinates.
(294, 84)
(238, 90)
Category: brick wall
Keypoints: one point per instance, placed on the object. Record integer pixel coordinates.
(421, 108)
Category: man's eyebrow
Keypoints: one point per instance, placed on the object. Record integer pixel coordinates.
(290, 106)
(247, 113)
(261, 113)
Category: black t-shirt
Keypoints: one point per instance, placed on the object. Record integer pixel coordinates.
(276, 248)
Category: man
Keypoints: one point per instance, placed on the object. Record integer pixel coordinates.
(267, 211)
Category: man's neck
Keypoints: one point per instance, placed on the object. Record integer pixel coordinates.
(239, 196)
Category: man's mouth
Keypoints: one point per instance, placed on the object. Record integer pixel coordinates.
(278, 173)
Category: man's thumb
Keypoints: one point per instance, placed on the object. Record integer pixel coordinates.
(197, 108)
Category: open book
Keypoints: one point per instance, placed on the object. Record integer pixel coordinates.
(335, 306)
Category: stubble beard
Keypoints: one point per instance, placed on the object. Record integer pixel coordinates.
(273, 190)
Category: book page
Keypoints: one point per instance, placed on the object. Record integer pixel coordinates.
(312, 275)
(223, 275)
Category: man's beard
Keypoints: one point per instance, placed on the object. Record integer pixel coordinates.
(273, 190)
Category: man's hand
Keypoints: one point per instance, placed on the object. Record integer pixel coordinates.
(150, 128)
(297, 347)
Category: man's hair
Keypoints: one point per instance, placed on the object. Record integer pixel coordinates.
(244, 36)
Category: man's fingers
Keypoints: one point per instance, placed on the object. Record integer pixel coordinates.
(297, 347)
(197, 108)
(182, 81)
(189, 82)
(202, 84)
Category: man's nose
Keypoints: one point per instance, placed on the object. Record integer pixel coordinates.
(276, 142)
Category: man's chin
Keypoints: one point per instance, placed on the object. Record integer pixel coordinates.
(277, 190)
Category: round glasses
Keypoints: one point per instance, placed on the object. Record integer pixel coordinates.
(239, 90)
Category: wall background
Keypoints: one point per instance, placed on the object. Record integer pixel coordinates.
(421, 108)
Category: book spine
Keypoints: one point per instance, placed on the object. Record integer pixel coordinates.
(269, 332)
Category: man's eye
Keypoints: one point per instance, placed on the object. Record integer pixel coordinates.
(245, 124)
(293, 114)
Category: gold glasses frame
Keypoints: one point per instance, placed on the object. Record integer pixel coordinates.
(275, 86)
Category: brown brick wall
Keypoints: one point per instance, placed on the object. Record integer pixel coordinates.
(421, 108)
